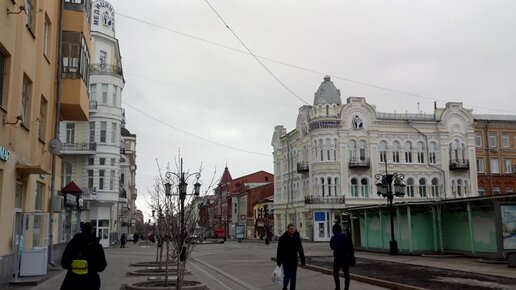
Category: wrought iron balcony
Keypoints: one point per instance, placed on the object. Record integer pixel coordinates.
(89, 193)
(78, 148)
(312, 199)
(456, 164)
(359, 163)
(302, 167)
(101, 68)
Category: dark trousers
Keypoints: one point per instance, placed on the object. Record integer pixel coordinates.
(337, 265)
(289, 273)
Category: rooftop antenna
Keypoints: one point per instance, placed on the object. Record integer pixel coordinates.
(418, 111)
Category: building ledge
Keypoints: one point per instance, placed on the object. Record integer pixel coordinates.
(31, 169)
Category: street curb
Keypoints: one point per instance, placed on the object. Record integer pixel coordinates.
(360, 278)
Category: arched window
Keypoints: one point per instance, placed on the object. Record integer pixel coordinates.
(435, 187)
(408, 152)
(316, 149)
(410, 187)
(329, 186)
(335, 148)
(364, 188)
(336, 184)
(459, 188)
(396, 152)
(383, 151)
(321, 149)
(420, 152)
(467, 190)
(354, 187)
(454, 188)
(328, 149)
(422, 187)
(327, 109)
(353, 150)
(322, 187)
(362, 150)
(432, 153)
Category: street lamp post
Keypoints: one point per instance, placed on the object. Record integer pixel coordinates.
(182, 187)
(384, 184)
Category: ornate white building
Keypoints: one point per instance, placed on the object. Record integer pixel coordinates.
(92, 150)
(329, 161)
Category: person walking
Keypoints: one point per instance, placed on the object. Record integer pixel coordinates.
(135, 238)
(123, 240)
(83, 258)
(343, 255)
(289, 246)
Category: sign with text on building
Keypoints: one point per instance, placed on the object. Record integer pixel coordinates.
(4, 153)
(103, 14)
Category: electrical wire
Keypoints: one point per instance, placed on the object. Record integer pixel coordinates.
(254, 56)
(303, 68)
(193, 135)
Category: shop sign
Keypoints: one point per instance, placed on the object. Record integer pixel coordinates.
(4, 153)
(71, 199)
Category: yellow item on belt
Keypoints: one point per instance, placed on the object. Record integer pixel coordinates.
(80, 267)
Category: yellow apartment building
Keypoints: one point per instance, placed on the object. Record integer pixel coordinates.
(36, 36)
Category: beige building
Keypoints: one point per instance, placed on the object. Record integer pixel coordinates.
(30, 90)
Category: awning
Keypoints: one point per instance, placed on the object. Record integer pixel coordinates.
(71, 187)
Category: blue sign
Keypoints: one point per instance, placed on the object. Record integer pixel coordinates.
(4, 153)
(319, 216)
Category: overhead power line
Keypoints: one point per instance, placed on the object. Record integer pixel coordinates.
(193, 135)
(303, 68)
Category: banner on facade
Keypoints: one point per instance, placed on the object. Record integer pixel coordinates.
(240, 232)
(508, 212)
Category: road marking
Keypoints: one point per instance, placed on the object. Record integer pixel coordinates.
(227, 275)
(212, 277)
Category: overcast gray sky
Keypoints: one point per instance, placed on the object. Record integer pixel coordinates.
(185, 70)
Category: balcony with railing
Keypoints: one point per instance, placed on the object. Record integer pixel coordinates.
(78, 148)
(459, 164)
(302, 167)
(93, 106)
(89, 193)
(313, 199)
(106, 69)
(359, 163)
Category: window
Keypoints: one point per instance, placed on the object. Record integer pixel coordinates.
(66, 175)
(102, 161)
(322, 187)
(115, 95)
(410, 187)
(383, 151)
(101, 179)
(509, 190)
(396, 152)
(40, 191)
(114, 131)
(75, 56)
(459, 188)
(508, 165)
(420, 152)
(362, 150)
(42, 118)
(26, 90)
(495, 167)
(408, 152)
(492, 140)
(3, 77)
(46, 35)
(478, 140)
(70, 133)
(102, 59)
(31, 15)
(505, 141)
(104, 94)
(422, 187)
(481, 191)
(480, 165)
(353, 150)
(91, 161)
(92, 131)
(93, 92)
(113, 163)
(432, 153)
(435, 187)
(103, 131)
(364, 188)
(122, 179)
(111, 180)
(90, 179)
(496, 190)
(354, 187)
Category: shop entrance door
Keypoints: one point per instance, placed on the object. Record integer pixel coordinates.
(103, 232)
(33, 244)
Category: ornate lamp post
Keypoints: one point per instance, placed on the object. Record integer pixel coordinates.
(384, 184)
(182, 187)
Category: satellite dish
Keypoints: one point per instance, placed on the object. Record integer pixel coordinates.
(54, 146)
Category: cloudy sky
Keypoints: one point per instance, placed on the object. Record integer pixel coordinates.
(192, 87)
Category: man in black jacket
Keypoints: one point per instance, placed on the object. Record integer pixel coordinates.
(343, 255)
(289, 245)
(84, 258)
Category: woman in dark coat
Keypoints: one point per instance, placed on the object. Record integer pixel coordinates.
(123, 240)
(81, 275)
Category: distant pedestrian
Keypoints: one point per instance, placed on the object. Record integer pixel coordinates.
(136, 236)
(343, 255)
(123, 240)
(84, 258)
(289, 246)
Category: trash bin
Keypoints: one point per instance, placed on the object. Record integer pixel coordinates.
(511, 259)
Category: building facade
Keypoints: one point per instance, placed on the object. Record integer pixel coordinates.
(92, 150)
(495, 141)
(127, 216)
(329, 161)
(35, 93)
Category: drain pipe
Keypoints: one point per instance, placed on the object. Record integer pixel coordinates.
(409, 122)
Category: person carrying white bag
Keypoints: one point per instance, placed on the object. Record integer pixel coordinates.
(277, 275)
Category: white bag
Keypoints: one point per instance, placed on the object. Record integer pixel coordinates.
(277, 275)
